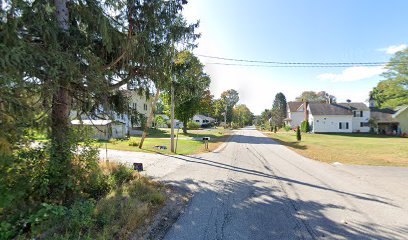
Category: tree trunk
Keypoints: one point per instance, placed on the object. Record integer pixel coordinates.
(61, 154)
(185, 122)
(150, 120)
(61, 144)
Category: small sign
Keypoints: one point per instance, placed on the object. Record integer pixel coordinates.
(206, 138)
(138, 167)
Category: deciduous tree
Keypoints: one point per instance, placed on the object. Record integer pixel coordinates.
(393, 91)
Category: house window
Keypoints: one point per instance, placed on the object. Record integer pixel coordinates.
(145, 107)
(363, 124)
(355, 113)
(197, 120)
(361, 113)
(343, 125)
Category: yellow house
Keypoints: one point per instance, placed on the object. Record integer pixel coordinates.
(402, 117)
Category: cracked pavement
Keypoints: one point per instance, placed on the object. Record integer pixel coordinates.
(255, 188)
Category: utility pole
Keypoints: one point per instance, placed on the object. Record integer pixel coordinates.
(172, 116)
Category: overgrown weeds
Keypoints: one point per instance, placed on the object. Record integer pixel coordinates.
(107, 200)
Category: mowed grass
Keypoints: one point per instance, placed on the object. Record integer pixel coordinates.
(184, 146)
(361, 149)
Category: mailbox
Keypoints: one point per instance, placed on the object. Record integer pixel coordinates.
(206, 138)
(138, 167)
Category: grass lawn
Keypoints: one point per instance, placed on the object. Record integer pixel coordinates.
(362, 149)
(184, 146)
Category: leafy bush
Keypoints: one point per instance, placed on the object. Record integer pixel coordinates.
(113, 141)
(193, 126)
(133, 142)
(305, 127)
(287, 128)
(122, 174)
(81, 216)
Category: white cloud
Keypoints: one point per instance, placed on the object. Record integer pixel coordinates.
(353, 74)
(393, 49)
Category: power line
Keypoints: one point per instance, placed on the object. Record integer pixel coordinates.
(293, 64)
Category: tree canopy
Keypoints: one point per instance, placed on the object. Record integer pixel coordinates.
(312, 96)
(393, 91)
(242, 115)
(229, 99)
(191, 87)
(75, 55)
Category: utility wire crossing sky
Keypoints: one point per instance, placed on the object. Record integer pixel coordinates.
(263, 47)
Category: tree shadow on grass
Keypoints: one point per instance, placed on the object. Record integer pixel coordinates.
(359, 135)
(257, 209)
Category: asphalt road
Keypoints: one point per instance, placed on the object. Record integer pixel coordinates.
(255, 188)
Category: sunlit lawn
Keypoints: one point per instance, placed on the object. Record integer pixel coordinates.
(184, 146)
(364, 149)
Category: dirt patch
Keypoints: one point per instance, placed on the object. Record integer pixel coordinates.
(165, 217)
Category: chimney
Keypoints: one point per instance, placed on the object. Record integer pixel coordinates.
(305, 105)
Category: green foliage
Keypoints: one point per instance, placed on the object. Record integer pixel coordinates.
(133, 142)
(122, 175)
(193, 125)
(113, 141)
(242, 116)
(81, 216)
(298, 134)
(190, 89)
(279, 109)
(305, 127)
(287, 128)
(393, 91)
(229, 99)
(311, 96)
(160, 121)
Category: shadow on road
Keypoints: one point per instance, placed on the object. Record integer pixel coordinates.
(203, 161)
(231, 204)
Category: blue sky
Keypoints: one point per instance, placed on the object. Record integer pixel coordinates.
(298, 31)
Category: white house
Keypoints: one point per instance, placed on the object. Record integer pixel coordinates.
(203, 120)
(330, 118)
(295, 114)
(102, 129)
(138, 103)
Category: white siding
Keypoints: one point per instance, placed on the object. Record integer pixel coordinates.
(297, 118)
(330, 123)
(357, 120)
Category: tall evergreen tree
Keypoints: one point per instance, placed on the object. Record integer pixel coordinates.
(279, 109)
(76, 54)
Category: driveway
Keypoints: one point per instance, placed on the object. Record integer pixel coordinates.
(255, 188)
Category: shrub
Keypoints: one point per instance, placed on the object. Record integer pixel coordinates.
(298, 134)
(287, 128)
(113, 141)
(193, 125)
(122, 174)
(305, 127)
(81, 216)
(133, 142)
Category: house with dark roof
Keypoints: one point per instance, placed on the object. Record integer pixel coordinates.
(330, 118)
(295, 114)
(389, 121)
